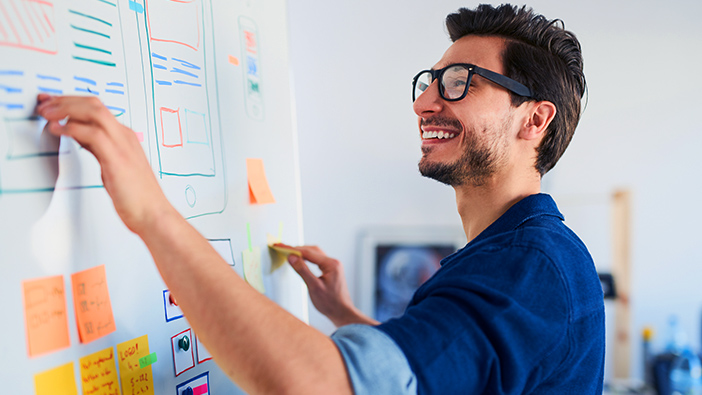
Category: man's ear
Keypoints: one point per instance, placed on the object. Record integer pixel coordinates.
(540, 116)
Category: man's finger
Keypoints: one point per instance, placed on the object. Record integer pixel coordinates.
(88, 136)
(79, 108)
(301, 268)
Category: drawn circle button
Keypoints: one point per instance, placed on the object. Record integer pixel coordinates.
(184, 343)
(190, 196)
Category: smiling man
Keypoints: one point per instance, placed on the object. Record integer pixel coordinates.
(519, 309)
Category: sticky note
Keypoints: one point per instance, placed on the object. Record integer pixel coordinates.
(253, 274)
(200, 389)
(259, 191)
(56, 381)
(279, 255)
(147, 360)
(98, 373)
(92, 305)
(45, 315)
(135, 379)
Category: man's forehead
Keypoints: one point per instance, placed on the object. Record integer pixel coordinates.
(483, 51)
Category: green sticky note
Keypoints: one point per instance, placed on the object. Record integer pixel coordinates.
(147, 360)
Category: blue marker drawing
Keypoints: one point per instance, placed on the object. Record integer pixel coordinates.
(157, 56)
(186, 83)
(86, 80)
(114, 91)
(122, 110)
(177, 70)
(134, 6)
(158, 66)
(50, 90)
(10, 89)
(160, 82)
(87, 90)
(48, 77)
(187, 64)
(12, 106)
(11, 72)
(115, 84)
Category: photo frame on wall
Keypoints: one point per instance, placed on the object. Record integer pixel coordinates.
(395, 261)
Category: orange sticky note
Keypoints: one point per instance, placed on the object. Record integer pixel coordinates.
(259, 191)
(135, 380)
(45, 315)
(56, 381)
(91, 301)
(98, 373)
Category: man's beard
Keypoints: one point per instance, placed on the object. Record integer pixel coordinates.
(479, 161)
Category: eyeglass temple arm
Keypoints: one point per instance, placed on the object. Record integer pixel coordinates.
(504, 81)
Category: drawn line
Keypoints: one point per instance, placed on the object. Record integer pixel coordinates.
(46, 17)
(102, 62)
(114, 91)
(107, 2)
(11, 72)
(90, 31)
(10, 89)
(90, 17)
(186, 83)
(157, 56)
(122, 110)
(37, 155)
(92, 48)
(85, 90)
(115, 84)
(160, 67)
(160, 82)
(34, 25)
(187, 175)
(36, 15)
(50, 90)
(24, 26)
(86, 80)
(177, 70)
(48, 77)
(12, 106)
(187, 64)
(9, 20)
(17, 191)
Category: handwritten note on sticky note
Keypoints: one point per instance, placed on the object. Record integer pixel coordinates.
(135, 379)
(259, 191)
(45, 315)
(253, 274)
(98, 373)
(279, 255)
(57, 381)
(92, 304)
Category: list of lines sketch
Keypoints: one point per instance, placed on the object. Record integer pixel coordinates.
(151, 62)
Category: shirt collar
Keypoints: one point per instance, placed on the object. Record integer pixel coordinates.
(528, 208)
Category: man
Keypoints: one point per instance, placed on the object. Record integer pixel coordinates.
(518, 310)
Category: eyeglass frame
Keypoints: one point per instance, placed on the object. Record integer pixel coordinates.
(501, 80)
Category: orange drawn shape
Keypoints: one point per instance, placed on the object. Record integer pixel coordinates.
(91, 301)
(233, 60)
(45, 315)
(26, 41)
(259, 191)
(163, 128)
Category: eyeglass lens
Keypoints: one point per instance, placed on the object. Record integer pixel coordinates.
(454, 81)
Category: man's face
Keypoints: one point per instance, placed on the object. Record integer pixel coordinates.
(479, 126)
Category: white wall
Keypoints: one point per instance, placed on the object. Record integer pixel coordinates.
(352, 65)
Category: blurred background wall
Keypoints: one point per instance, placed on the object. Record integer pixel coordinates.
(352, 64)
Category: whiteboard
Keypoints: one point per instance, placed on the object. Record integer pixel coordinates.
(205, 84)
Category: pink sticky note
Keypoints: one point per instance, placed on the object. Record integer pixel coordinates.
(200, 389)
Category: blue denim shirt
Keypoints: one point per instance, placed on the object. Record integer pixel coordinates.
(517, 310)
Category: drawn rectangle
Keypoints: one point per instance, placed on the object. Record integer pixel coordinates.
(173, 312)
(26, 139)
(224, 248)
(171, 130)
(28, 24)
(199, 384)
(161, 27)
(196, 127)
(183, 357)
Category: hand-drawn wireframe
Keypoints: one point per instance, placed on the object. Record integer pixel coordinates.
(179, 57)
(76, 49)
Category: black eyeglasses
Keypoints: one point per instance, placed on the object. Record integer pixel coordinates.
(455, 79)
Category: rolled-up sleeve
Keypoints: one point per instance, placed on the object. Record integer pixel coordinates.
(374, 362)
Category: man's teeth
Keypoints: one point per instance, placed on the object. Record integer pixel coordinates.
(438, 135)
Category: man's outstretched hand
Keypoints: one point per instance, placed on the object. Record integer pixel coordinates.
(126, 172)
(328, 292)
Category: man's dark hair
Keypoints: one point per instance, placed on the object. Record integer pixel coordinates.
(540, 54)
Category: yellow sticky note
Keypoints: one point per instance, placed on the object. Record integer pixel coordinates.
(91, 301)
(45, 315)
(57, 381)
(135, 380)
(253, 274)
(279, 255)
(98, 373)
(259, 191)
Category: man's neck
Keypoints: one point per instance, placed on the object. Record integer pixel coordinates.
(480, 206)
